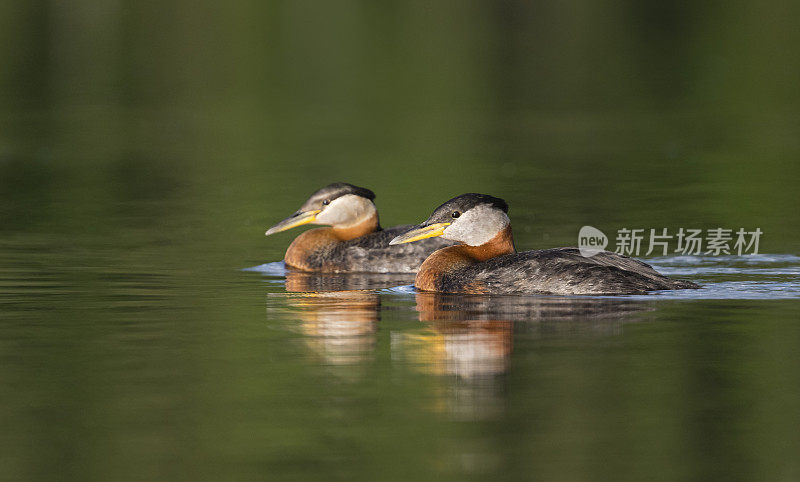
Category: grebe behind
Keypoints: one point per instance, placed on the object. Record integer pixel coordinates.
(354, 240)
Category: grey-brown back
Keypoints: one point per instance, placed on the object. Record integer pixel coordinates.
(372, 254)
(559, 271)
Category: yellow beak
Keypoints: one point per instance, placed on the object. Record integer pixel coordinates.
(420, 233)
(293, 221)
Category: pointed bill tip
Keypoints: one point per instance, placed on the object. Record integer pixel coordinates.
(293, 221)
(419, 233)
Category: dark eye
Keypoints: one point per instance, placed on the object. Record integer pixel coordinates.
(326, 202)
(456, 214)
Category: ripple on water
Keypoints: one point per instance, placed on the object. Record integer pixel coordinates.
(276, 268)
(761, 276)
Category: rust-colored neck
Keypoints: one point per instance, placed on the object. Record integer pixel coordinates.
(298, 255)
(502, 243)
(453, 258)
(368, 225)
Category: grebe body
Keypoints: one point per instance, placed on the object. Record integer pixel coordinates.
(353, 241)
(486, 261)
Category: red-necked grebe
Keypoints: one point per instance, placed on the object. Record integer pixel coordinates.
(354, 242)
(486, 260)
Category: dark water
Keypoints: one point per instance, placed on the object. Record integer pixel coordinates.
(145, 148)
(148, 352)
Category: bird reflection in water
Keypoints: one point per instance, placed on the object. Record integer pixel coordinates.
(469, 339)
(466, 341)
(338, 315)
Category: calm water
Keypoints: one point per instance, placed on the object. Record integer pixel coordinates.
(143, 349)
(149, 331)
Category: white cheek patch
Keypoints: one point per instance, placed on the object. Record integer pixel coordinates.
(345, 210)
(477, 226)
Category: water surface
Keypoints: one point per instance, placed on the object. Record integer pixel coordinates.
(145, 148)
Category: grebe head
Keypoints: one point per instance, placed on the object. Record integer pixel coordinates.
(338, 204)
(471, 219)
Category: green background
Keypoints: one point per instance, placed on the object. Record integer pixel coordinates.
(146, 146)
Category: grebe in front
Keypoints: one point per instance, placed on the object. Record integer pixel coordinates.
(354, 242)
(486, 260)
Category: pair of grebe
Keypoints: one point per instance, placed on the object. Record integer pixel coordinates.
(465, 246)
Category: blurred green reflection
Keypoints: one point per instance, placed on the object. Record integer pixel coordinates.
(145, 146)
